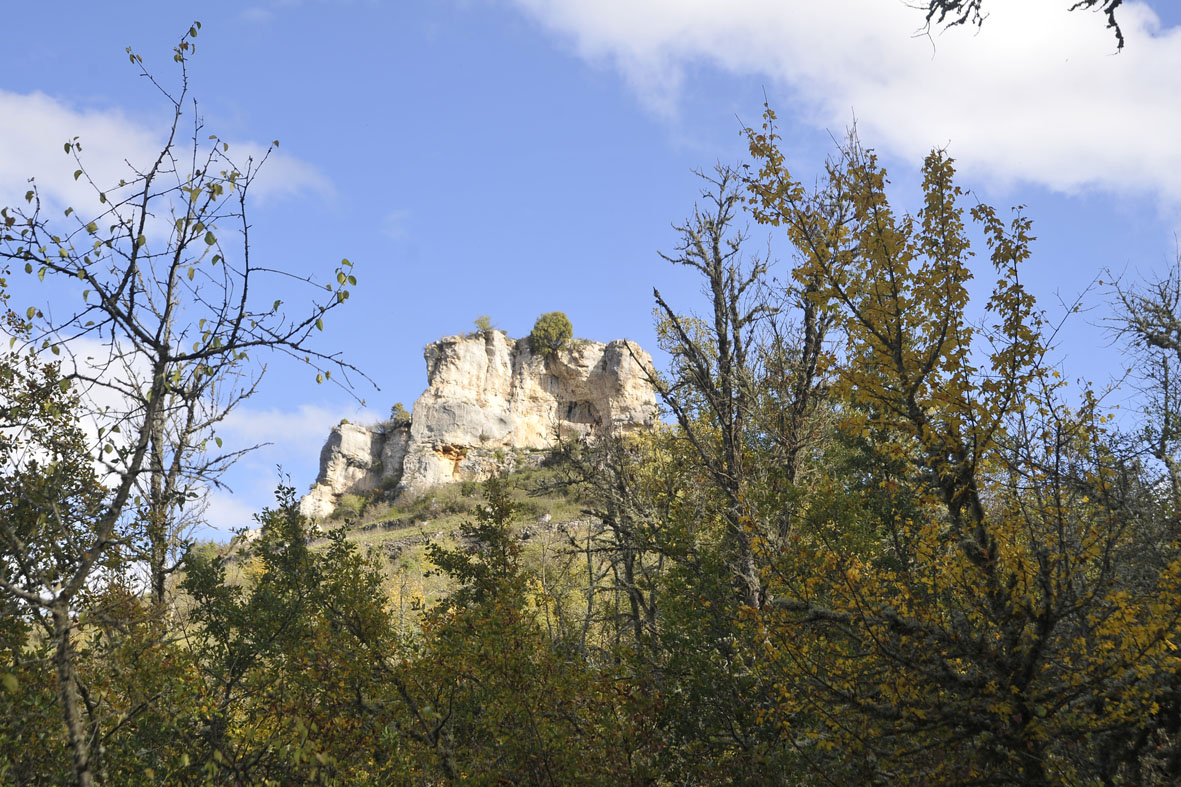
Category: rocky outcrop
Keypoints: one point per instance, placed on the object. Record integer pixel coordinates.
(490, 403)
(355, 459)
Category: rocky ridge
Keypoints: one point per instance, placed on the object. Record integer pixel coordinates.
(490, 404)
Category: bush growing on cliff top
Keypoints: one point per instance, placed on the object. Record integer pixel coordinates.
(399, 416)
(550, 333)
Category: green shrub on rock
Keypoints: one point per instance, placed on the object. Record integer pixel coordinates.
(550, 333)
(399, 416)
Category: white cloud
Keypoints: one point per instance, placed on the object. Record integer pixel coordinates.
(34, 128)
(293, 439)
(1037, 95)
(299, 432)
(225, 513)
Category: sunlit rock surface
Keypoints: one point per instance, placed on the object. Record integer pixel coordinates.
(490, 404)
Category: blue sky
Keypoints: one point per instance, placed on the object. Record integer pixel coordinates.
(511, 157)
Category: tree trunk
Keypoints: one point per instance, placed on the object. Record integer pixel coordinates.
(68, 695)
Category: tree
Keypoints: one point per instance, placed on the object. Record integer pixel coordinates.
(176, 307)
(50, 500)
(286, 655)
(710, 390)
(958, 12)
(988, 627)
(1148, 320)
(399, 416)
(550, 333)
(503, 702)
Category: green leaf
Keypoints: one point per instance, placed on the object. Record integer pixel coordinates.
(216, 258)
(320, 324)
(353, 281)
(319, 379)
(41, 274)
(140, 241)
(210, 238)
(63, 385)
(218, 441)
(77, 174)
(11, 684)
(55, 350)
(191, 273)
(67, 147)
(102, 198)
(69, 211)
(92, 228)
(29, 196)
(29, 312)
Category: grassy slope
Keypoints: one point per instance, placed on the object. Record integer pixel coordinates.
(550, 515)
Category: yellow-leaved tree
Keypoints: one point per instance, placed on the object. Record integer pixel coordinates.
(1009, 619)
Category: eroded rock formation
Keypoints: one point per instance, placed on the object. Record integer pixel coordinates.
(489, 404)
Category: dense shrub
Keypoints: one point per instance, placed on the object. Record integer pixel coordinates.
(349, 507)
(550, 333)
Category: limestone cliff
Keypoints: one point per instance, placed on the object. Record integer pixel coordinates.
(489, 403)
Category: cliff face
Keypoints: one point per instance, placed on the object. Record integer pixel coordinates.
(355, 459)
(489, 402)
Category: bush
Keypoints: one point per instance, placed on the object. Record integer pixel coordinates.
(399, 417)
(349, 507)
(550, 333)
(484, 323)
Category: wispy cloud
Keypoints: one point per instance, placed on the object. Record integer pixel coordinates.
(1036, 96)
(225, 512)
(296, 432)
(396, 224)
(34, 128)
(257, 15)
